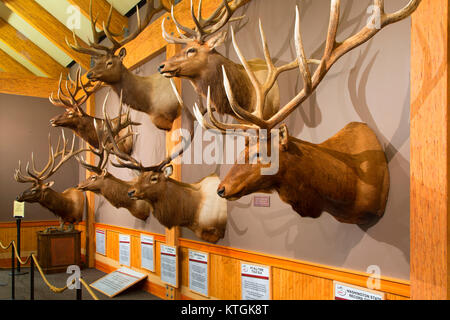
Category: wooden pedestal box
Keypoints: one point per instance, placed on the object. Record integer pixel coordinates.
(57, 251)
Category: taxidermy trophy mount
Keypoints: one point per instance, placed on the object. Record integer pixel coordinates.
(195, 206)
(104, 183)
(67, 205)
(152, 95)
(80, 122)
(347, 175)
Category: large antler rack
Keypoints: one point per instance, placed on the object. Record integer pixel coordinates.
(96, 49)
(51, 167)
(203, 27)
(333, 51)
(69, 100)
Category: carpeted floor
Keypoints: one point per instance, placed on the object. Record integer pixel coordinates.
(42, 292)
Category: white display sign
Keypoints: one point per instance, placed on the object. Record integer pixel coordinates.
(147, 253)
(100, 241)
(198, 272)
(344, 291)
(169, 265)
(124, 249)
(19, 209)
(117, 281)
(255, 282)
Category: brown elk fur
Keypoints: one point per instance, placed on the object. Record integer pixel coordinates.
(347, 176)
(67, 205)
(195, 206)
(115, 191)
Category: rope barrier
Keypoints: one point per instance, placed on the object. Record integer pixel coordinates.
(51, 287)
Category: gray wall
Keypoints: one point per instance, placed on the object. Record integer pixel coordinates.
(24, 128)
(370, 84)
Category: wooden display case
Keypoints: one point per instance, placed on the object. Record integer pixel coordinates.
(58, 250)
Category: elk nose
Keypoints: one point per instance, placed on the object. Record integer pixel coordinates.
(161, 67)
(89, 75)
(131, 193)
(221, 192)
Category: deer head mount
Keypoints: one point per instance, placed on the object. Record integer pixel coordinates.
(347, 175)
(102, 182)
(67, 205)
(153, 94)
(200, 63)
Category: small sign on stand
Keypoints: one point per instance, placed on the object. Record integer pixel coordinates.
(118, 281)
(19, 214)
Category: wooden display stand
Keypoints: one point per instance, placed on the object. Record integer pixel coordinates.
(58, 250)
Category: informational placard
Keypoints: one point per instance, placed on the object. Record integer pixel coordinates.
(255, 282)
(198, 272)
(124, 249)
(19, 209)
(114, 283)
(344, 291)
(147, 252)
(169, 264)
(100, 241)
(261, 201)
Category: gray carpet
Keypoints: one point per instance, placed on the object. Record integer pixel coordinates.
(42, 292)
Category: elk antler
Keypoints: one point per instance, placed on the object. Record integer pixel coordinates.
(69, 100)
(96, 49)
(203, 27)
(333, 51)
(50, 168)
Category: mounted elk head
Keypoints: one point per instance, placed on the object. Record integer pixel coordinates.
(200, 63)
(76, 119)
(347, 175)
(67, 205)
(153, 94)
(195, 206)
(113, 189)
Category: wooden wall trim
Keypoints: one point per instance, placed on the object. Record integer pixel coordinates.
(430, 137)
(28, 224)
(394, 287)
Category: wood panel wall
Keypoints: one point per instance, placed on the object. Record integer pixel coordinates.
(291, 279)
(430, 137)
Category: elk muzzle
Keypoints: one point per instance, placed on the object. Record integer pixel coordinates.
(221, 192)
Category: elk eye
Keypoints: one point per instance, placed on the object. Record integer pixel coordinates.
(109, 64)
(33, 191)
(191, 51)
(93, 178)
(154, 179)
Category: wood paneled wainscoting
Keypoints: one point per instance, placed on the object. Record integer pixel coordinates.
(291, 279)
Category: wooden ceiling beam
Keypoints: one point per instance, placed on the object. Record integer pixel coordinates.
(8, 64)
(101, 7)
(31, 52)
(49, 26)
(27, 85)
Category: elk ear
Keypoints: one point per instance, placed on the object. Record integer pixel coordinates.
(122, 53)
(104, 172)
(49, 184)
(284, 137)
(168, 170)
(216, 40)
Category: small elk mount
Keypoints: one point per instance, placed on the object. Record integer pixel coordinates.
(347, 175)
(68, 205)
(76, 119)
